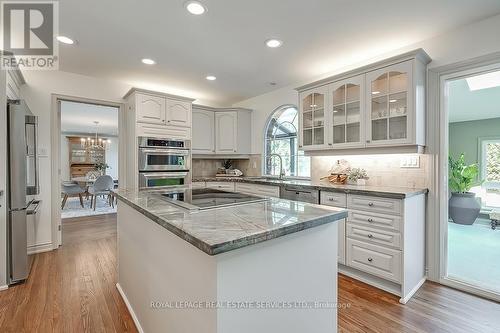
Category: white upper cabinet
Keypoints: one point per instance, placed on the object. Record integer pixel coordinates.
(346, 115)
(390, 105)
(313, 106)
(151, 109)
(178, 113)
(203, 131)
(226, 130)
(379, 105)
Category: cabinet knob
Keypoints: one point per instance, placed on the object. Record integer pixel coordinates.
(370, 259)
(331, 199)
(370, 236)
(300, 146)
(163, 121)
(370, 204)
(330, 144)
(367, 141)
(234, 150)
(370, 220)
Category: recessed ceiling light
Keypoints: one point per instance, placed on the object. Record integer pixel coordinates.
(148, 61)
(211, 78)
(484, 81)
(375, 92)
(393, 100)
(273, 43)
(65, 40)
(195, 7)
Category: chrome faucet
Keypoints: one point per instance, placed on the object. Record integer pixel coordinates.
(282, 172)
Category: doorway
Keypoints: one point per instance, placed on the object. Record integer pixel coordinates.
(88, 163)
(470, 162)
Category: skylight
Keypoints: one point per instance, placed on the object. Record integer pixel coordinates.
(484, 81)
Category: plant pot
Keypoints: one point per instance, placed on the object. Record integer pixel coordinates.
(463, 208)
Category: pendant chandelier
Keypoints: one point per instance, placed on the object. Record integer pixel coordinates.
(96, 142)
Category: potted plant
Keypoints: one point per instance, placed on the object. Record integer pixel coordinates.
(101, 167)
(463, 208)
(357, 176)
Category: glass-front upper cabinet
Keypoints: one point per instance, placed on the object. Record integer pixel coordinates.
(389, 105)
(346, 128)
(313, 118)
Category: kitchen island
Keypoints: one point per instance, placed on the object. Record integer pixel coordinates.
(265, 266)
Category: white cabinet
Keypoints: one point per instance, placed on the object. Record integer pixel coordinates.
(380, 105)
(178, 113)
(221, 131)
(150, 109)
(203, 131)
(226, 131)
(338, 200)
(346, 123)
(312, 121)
(390, 107)
(258, 189)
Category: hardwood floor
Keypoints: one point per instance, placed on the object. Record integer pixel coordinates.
(73, 290)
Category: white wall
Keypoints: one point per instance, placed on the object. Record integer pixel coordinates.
(464, 43)
(38, 95)
(111, 155)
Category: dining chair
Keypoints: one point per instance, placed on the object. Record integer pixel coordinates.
(102, 186)
(70, 189)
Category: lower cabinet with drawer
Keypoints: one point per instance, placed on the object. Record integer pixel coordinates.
(338, 200)
(384, 241)
(257, 189)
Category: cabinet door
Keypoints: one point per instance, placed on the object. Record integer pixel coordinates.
(203, 132)
(178, 113)
(347, 127)
(390, 109)
(312, 119)
(226, 132)
(150, 109)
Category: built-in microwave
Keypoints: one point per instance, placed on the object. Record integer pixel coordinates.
(163, 154)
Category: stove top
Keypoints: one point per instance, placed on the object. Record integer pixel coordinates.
(207, 198)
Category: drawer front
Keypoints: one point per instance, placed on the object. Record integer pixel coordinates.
(390, 222)
(333, 199)
(262, 190)
(375, 260)
(375, 204)
(163, 131)
(341, 241)
(374, 236)
(224, 186)
(198, 185)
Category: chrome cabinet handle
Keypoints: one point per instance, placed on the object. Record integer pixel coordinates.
(370, 220)
(370, 259)
(331, 199)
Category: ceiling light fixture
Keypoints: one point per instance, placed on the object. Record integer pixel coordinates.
(375, 92)
(273, 43)
(393, 100)
(148, 61)
(484, 81)
(195, 7)
(211, 78)
(65, 40)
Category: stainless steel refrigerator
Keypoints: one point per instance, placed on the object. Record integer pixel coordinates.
(22, 183)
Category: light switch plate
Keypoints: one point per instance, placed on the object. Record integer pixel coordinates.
(410, 161)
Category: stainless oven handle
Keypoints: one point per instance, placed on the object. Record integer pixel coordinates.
(165, 151)
(156, 175)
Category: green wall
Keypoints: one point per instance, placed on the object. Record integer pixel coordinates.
(464, 136)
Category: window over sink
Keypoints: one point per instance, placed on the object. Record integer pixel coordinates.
(281, 138)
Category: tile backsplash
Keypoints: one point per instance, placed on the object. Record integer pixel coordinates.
(208, 167)
(383, 170)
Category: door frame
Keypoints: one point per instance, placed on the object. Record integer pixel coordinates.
(55, 147)
(437, 135)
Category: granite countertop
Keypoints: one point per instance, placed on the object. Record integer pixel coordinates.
(220, 230)
(393, 192)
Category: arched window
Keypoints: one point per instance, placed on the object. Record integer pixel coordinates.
(281, 138)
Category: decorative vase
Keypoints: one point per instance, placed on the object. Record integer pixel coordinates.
(463, 208)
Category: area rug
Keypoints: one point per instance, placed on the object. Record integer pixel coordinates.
(73, 208)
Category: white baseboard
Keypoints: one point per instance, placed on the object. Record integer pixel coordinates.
(39, 248)
(412, 292)
(129, 307)
(4, 287)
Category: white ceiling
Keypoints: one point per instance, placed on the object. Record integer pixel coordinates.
(79, 118)
(466, 105)
(228, 41)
